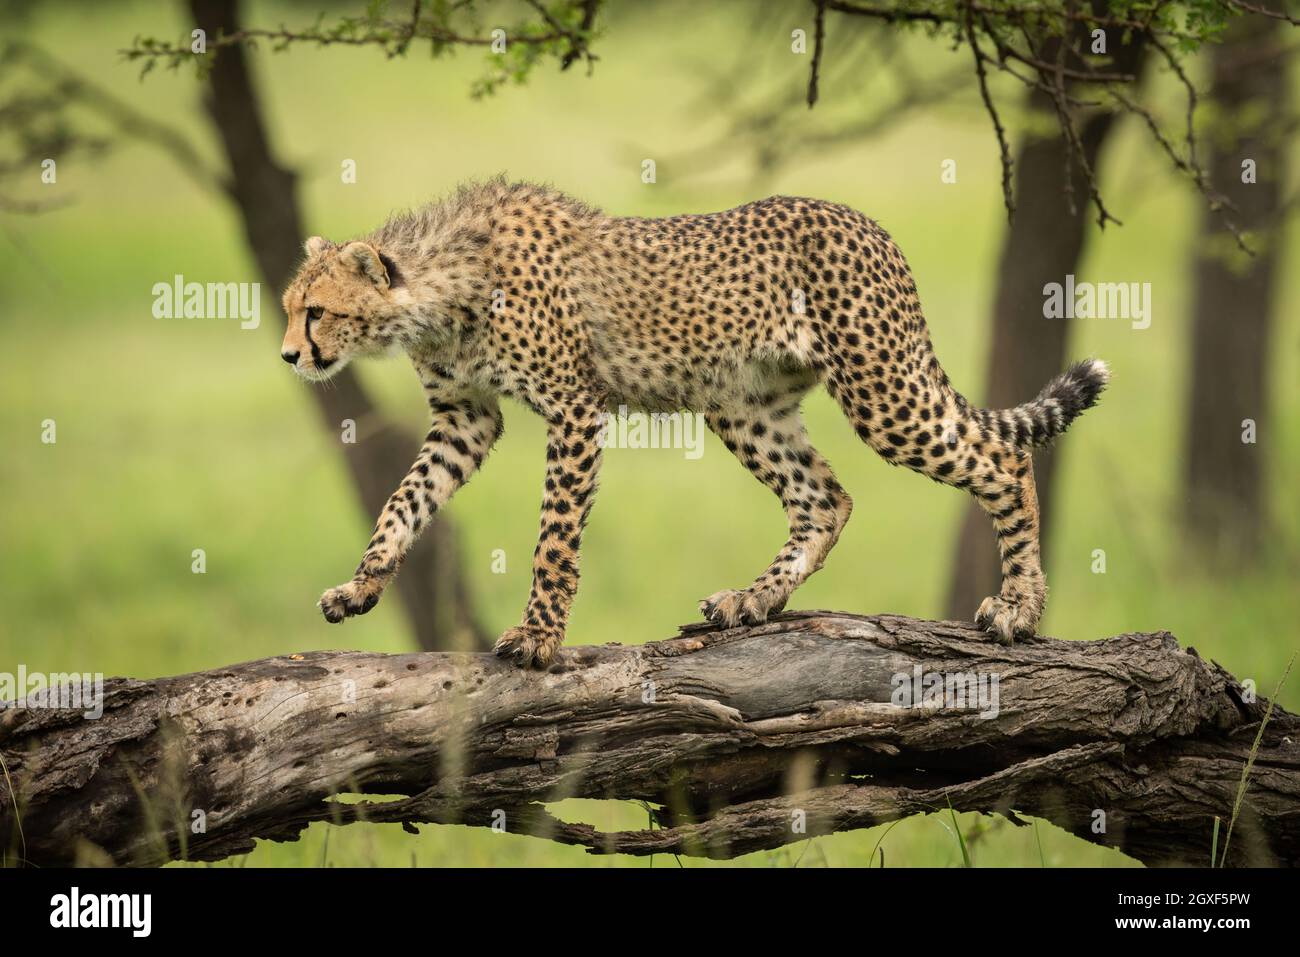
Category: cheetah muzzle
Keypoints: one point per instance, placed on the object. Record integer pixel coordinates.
(516, 290)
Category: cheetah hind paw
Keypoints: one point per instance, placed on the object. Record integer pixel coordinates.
(732, 607)
(528, 646)
(1005, 620)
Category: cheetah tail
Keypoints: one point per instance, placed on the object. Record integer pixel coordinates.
(1041, 419)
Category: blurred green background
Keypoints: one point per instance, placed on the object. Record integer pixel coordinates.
(176, 435)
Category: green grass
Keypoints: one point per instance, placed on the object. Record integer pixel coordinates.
(178, 435)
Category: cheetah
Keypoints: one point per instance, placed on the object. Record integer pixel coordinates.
(516, 290)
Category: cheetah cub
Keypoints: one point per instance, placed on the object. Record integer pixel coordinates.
(516, 290)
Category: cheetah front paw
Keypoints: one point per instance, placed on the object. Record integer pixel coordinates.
(1006, 620)
(528, 645)
(744, 606)
(355, 598)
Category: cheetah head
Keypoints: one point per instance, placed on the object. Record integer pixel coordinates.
(346, 301)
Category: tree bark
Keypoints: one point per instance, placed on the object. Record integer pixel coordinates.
(745, 739)
(1043, 244)
(1234, 302)
(432, 586)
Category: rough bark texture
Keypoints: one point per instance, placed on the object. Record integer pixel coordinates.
(1045, 242)
(736, 735)
(1234, 302)
(432, 585)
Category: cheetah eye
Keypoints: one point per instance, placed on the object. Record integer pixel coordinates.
(315, 312)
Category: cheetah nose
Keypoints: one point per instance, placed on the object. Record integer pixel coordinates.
(290, 357)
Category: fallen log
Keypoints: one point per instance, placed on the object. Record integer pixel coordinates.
(740, 740)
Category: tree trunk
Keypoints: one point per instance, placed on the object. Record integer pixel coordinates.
(432, 585)
(1234, 303)
(1044, 243)
(746, 739)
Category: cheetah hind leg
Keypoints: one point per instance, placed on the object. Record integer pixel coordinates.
(771, 442)
(1013, 614)
(999, 476)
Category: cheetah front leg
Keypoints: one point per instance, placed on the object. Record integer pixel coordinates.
(573, 455)
(461, 435)
(771, 442)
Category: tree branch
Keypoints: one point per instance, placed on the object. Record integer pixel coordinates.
(742, 740)
(819, 41)
(69, 88)
(394, 37)
(1004, 150)
(1015, 31)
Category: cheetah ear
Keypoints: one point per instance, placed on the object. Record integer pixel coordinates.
(368, 261)
(316, 245)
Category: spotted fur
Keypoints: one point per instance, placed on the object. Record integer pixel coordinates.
(516, 290)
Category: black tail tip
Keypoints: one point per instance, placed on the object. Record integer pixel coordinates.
(1083, 384)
